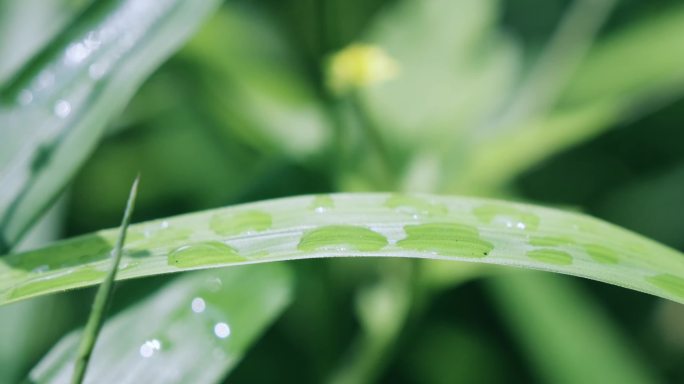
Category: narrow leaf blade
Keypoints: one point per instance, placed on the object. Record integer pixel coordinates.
(371, 225)
(53, 114)
(194, 330)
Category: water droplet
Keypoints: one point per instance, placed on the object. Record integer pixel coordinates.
(322, 203)
(201, 254)
(219, 354)
(670, 283)
(161, 235)
(214, 284)
(198, 305)
(46, 79)
(150, 347)
(550, 241)
(550, 256)
(73, 277)
(449, 239)
(62, 108)
(76, 52)
(97, 70)
(229, 224)
(601, 254)
(221, 330)
(41, 269)
(415, 206)
(342, 238)
(25, 97)
(507, 216)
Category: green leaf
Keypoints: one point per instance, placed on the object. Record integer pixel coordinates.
(54, 112)
(255, 86)
(448, 52)
(194, 330)
(373, 225)
(604, 91)
(606, 75)
(556, 324)
(26, 26)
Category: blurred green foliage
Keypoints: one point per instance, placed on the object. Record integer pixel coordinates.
(242, 113)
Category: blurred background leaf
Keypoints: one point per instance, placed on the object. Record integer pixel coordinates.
(65, 95)
(210, 316)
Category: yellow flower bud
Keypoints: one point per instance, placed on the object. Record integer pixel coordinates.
(358, 66)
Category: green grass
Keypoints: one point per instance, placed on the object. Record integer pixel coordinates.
(353, 133)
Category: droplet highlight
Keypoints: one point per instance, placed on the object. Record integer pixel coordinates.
(149, 348)
(198, 305)
(322, 203)
(221, 330)
(507, 216)
(62, 108)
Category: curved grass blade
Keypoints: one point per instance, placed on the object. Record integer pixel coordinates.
(53, 114)
(104, 295)
(371, 225)
(195, 330)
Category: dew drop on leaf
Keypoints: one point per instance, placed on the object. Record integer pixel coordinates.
(506, 216)
(62, 109)
(322, 203)
(601, 254)
(198, 305)
(342, 238)
(448, 239)
(670, 283)
(550, 256)
(221, 330)
(414, 205)
(205, 253)
(229, 224)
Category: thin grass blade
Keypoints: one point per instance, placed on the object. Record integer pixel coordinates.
(104, 295)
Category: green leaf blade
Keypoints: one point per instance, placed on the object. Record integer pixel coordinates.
(54, 113)
(450, 228)
(195, 330)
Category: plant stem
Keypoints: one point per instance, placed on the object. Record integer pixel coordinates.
(103, 296)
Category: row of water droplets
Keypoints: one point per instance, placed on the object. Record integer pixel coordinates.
(540, 249)
(198, 306)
